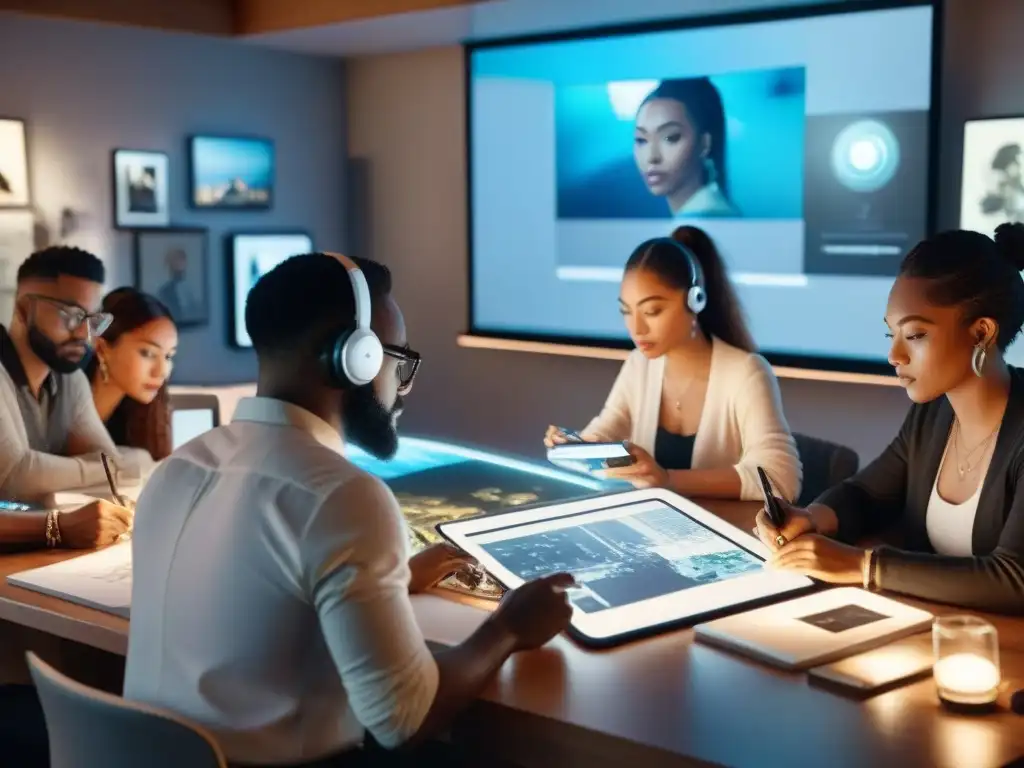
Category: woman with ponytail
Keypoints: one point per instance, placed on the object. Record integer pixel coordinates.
(700, 408)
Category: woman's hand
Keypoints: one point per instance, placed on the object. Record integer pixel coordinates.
(645, 472)
(822, 558)
(435, 563)
(555, 436)
(798, 523)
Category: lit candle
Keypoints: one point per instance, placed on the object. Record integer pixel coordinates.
(967, 678)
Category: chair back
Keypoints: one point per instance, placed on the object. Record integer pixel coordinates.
(88, 728)
(825, 464)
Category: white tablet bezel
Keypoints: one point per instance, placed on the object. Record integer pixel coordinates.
(583, 451)
(678, 608)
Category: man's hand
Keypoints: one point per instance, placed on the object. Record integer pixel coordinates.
(97, 524)
(536, 612)
(435, 563)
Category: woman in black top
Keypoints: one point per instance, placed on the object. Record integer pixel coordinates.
(952, 482)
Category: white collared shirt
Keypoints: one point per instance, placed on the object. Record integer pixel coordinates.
(270, 596)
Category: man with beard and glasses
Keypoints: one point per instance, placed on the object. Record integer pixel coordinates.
(270, 598)
(52, 437)
(50, 441)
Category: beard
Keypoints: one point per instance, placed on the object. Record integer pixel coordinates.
(369, 424)
(51, 353)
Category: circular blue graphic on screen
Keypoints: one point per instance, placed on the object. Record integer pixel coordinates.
(865, 156)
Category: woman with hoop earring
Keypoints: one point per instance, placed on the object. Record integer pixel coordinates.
(951, 484)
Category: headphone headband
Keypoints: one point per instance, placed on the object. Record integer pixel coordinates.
(696, 272)
(360, 290)
(696, 295)
(355, 358)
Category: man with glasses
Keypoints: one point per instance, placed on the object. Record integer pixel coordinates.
(50, 441)
(270, 591)
(51, 436)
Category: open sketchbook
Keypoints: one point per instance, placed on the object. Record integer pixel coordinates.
(100, 580)
(103, 580)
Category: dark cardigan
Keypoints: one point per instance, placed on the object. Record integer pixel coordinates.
(895, 488)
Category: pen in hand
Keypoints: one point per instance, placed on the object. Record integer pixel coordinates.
(118, 498)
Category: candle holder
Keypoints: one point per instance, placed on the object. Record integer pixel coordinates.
(966, 662)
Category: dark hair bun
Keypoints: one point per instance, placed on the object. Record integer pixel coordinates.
(1010, 243)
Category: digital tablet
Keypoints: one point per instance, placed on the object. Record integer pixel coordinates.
(590, 457)
(644, 561)
(815, 629)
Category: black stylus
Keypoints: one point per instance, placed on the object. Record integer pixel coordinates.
(771, 504)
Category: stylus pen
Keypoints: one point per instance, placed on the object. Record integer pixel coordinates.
(110, 481)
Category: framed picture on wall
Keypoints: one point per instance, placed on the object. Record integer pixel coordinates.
(141, 183)
(991, 189)
(230, 173)
(171, 264)
(250, 256)
(14, 191)
(17, 241)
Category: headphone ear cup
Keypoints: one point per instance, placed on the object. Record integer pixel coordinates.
(696, 299)
(361, 357)
(331, 361)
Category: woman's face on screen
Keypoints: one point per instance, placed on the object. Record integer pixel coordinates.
(666, 147)
(655, 313)
(930, 346)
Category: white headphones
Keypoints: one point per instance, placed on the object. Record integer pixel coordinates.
(696, 297)
(355, 357)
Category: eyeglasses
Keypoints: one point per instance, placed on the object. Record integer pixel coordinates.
(73, 315)
(408, 364)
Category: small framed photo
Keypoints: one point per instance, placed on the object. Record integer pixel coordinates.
(141, 182)
(250, 256)
(230, 173)
(14, 191)
(171, 264)
(992, 186)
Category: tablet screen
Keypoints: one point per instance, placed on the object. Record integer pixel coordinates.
(641, 559)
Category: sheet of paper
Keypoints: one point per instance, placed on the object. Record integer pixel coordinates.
(101, 580)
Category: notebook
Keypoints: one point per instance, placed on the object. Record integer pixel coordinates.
(817, 629)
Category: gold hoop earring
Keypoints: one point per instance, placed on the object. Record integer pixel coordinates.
(978, 358)
(104, 371)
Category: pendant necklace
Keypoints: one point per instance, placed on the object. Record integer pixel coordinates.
(964, 466)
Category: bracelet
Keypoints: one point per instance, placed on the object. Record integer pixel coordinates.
(52, 528)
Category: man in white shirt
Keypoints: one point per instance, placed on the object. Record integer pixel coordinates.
(270, 597)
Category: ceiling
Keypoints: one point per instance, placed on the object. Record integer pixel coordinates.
(346, 28)
(491, 19)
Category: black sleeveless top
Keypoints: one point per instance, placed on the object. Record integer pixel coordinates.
(673, 451)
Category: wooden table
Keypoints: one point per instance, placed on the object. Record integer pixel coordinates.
(665, 701)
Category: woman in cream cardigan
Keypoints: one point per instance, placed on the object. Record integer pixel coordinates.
(700, 408)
